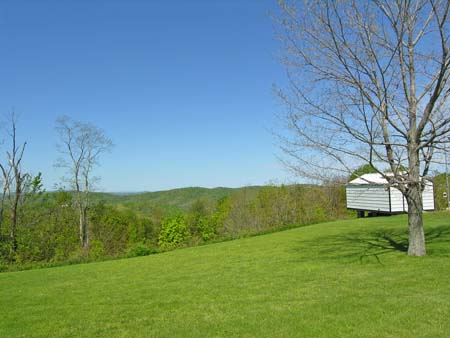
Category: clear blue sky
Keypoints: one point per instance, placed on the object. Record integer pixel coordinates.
(183, 88)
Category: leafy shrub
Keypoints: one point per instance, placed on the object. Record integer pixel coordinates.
(96, 249)
(207, 227)
(173, 232)
(140, 249)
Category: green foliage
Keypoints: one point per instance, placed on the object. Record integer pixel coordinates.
(140, 249)
(174, 231)
(35, 185)
(364, 169)
(170, 201)
(440, 187)
(206, 227)
(116, 229)
(48, 229)
(275, 207)
(110, 227)
(200, 220)
(400, 168)
(221, 213)
(96, 249)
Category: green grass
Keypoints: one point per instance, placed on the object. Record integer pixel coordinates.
(338, 279)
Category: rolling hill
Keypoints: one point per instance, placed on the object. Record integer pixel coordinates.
(338, 279)
(175, 199)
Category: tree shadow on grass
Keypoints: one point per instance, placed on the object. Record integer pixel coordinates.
(371, 245)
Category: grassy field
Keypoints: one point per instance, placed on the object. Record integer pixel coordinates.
(338, 279)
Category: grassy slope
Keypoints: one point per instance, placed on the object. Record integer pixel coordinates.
(317, 281)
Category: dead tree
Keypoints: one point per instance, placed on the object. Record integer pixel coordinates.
(6, 179)
(14, 182)
(81, 145)
(368, 84)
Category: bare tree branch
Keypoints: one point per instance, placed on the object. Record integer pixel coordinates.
(81, 145)
(368, 84)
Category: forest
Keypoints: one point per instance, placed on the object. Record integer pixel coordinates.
(47, 231)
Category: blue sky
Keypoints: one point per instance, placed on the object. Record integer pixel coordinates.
(183, 88)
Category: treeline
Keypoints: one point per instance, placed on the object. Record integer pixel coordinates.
(440, 191)
(48, 228)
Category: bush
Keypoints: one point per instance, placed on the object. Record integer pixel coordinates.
(96, 249)
(207, 228)
(140, 249)
(174, 231)
(3, 267)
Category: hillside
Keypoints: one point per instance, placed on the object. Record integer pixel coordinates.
(338, 279)
(175, 199)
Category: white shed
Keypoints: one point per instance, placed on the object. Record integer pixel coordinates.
(371, 192)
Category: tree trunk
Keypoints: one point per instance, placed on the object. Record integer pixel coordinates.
(82, 209)
(84, 239)
(13, 215)
(2, 208)
(81, 226)
(83, 236)
(416, 245)
(13, 218)
(413, 191)
(85, 228)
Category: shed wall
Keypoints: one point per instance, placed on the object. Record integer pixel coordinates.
(376, 198)
(398, 202)
(367, 197)
(397, 199)
(428, 197)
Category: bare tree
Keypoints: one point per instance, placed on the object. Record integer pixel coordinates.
(368, 84)
(6, 179)
(81, 145)
(15, 181)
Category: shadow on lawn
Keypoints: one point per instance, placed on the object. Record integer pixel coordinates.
(371, 245)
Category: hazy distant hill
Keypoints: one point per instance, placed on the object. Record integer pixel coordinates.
(175, 199)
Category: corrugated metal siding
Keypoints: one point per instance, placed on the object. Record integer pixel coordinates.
(397, 201)
(376, 198)
(364, 197)
(428, 197)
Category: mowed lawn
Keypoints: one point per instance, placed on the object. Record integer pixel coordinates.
(338, 279)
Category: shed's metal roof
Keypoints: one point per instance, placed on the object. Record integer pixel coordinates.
(375, 178)
(378, 179)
